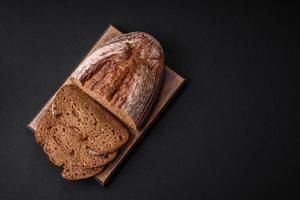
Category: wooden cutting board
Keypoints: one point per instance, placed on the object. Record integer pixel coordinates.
(171, 84)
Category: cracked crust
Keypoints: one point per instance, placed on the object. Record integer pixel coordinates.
(124, 75)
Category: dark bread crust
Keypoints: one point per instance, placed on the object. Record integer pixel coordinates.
(151, 101)
(124, 75)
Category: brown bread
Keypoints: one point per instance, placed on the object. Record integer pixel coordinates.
(76, 173)
(124, 75)
(74, 144)
(102, 132)
(78, 134)
(61, 143)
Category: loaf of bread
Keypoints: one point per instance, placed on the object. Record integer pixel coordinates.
(78, 134)
(124, 76)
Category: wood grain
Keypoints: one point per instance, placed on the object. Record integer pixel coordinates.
(171, 84)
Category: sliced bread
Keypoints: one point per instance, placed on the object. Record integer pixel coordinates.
(102, 131)
(61, 144)
(75, 173)
(67, 140)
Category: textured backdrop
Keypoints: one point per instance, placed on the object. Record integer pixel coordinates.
(230, 134)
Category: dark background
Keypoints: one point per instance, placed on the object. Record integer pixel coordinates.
(230, 134)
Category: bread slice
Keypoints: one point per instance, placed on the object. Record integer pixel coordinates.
(62, 144)
(124, 76)
(73, 169)
(79, 134)
(44, 128)
(76, 173)
(91, 159)
(56, 154)
(72, 141)
(46, 136)
(102, 131)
